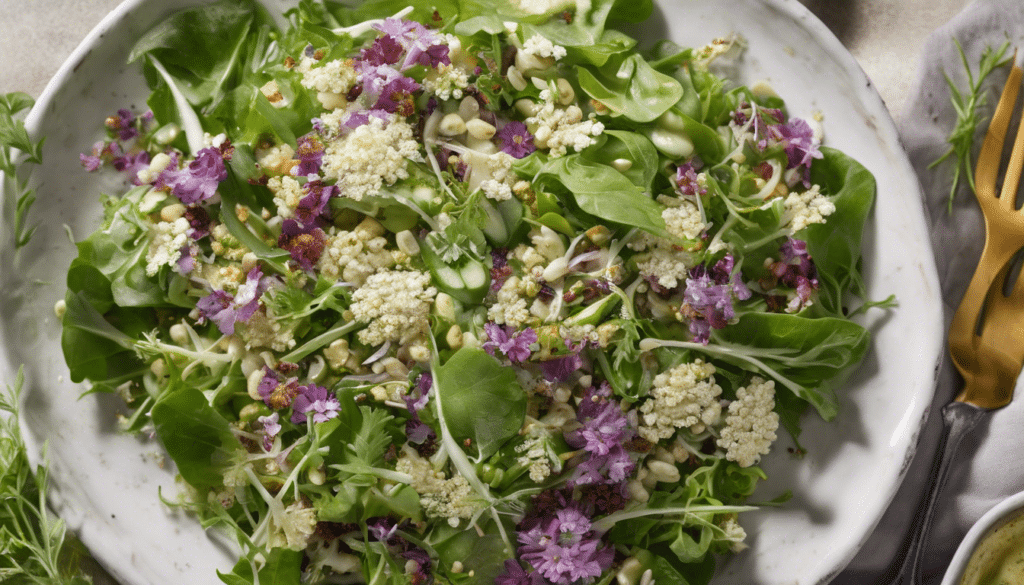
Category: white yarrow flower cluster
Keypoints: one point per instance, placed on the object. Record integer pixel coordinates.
(751, 423)
(447, 82)
(685, 396)
(541, 46)
(440, 497)
(292, 528)
(396, 304)
(371, 156)
(557, 129)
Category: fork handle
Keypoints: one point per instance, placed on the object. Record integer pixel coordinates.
(959, 419)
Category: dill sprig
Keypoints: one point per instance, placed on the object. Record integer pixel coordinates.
(17, 151)
(32, 539)
(968, 117)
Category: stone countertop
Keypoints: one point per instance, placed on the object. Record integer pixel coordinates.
(885, 36)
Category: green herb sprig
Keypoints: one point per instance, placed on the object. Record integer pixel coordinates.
(32, 539)
(968, 116)
(17, 150)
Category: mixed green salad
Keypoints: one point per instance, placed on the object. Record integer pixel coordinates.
(464, 291)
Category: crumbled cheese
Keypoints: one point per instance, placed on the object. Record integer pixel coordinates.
(278, 159)
(557, 129)
(447, 82)
(440, 497)
(685, 396)
(396, 305)
(809, 207)
(541, 46)
(354, 256)
(287, 194)
(337, 76)
(529, 256)
(665, 264)
(370, 156)
(166, 239)
(499, 185)
(751, 424)
(510, 308)
(684, 221)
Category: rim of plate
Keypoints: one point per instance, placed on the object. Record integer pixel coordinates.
(917, 407)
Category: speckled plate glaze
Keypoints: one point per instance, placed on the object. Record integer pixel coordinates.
(106, 485)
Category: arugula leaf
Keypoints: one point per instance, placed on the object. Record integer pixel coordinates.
(482, 400)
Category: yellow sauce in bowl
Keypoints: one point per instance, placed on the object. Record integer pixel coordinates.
(999, 557)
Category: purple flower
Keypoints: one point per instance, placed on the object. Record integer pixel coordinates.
(199, 180)
(123, 124)
(709, 294)
(797, 271)
(605, 428)
(375, 78)
(561, 368)
(516, 140)
(514, 344)
(313, 205)
(226, 309)
(564, 549)
(311, 153)
(385, 50)
(317, 400)
(686, 178)
(186, 259)
(305, 243)
(417, 398)
(271, 427)
(500, 270)
(199, 220)
(131, 164)
(101, 152)
(396, 96)
(422, 46)
(515, 575)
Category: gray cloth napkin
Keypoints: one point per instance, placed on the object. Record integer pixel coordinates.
(989, 466)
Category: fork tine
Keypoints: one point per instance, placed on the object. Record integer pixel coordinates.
(987, 171)
(1011, 180)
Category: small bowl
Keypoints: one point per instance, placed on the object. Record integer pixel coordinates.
(995, 536)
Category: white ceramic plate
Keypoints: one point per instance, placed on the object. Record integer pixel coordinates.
(105, 484)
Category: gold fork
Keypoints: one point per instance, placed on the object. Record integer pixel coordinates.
(986, 338)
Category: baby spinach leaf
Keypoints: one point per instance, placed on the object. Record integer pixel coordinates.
(584, 34)
(636, 148)
(282, 567)
(196, 436)
(816, 354)
(600, 190)
(96, 350)
(835, 245)
(631, 88)
(482, 399)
